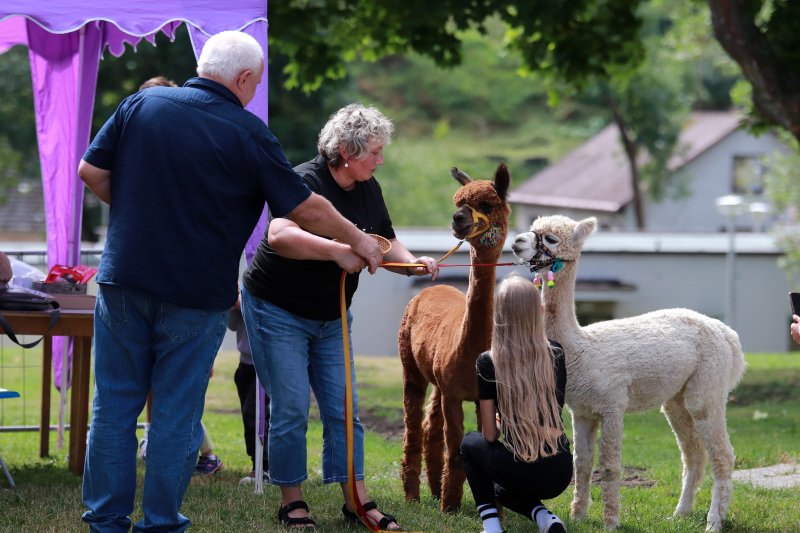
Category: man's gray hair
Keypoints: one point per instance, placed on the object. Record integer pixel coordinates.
(353, 127)
(228, 53)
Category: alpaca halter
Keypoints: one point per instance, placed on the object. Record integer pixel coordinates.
(477, 219)
(547, 260)
(489, 236)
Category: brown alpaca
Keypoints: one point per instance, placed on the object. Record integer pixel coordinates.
(441, 335)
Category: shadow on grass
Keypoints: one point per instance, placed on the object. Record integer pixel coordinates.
(770, 391)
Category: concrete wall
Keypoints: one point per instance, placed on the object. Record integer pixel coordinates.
(656, 270)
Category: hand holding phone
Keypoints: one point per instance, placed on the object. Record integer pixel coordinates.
(794, 302)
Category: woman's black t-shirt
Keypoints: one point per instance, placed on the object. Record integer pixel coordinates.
(310, 288)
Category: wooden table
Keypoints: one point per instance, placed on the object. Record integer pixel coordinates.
(78, 324)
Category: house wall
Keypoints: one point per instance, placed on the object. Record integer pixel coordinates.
(706, 178)
(664, 270)
(699, 183)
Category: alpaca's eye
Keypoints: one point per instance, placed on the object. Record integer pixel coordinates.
(484, 207)
(549, 239)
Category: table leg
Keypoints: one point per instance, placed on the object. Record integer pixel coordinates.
(44, 419)
(79, 404)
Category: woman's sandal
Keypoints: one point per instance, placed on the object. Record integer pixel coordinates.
(384, 522)
(292, 521)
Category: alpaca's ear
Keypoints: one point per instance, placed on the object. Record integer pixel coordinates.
(584, 228)
(502, 179)
(459, 176)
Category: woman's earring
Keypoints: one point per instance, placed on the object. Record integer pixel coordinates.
(346, 165)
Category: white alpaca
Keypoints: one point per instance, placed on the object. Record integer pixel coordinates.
(679, 359)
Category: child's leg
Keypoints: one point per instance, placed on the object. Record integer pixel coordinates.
(530, 483)
(476, 455)
(207, 447)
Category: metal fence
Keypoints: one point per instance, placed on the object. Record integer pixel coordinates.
(21, 369)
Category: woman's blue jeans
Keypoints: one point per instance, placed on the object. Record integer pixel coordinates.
(293, 356)
(142, 344)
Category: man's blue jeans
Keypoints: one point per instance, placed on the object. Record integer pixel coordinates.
(294, 355)
(142, 344)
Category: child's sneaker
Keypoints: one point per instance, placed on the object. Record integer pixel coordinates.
(250, 478)
(547, 521)
(552, 524)
(208, 465)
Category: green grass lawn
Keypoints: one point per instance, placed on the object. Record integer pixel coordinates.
(763, 418)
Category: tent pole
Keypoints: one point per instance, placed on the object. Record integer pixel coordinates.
(74, 242)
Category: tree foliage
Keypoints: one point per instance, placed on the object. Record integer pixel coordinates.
(572, 38)
(18, 153)
(781, 186)
(484, 91)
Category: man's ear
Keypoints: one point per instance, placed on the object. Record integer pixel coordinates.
(242, 78)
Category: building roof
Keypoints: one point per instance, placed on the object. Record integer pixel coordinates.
(22, 212)
(596, 175)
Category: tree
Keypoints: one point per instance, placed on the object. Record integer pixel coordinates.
(650, 101)
(762, 37)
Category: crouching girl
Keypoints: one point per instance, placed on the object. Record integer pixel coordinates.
(522, 455)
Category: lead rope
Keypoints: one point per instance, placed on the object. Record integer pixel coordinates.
(352, 493)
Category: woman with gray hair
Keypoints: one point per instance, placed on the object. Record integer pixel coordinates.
(290, 303)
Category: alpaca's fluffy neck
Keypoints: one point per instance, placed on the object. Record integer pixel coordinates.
(561, 323)
(476, 329)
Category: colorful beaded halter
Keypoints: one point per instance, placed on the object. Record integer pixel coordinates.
(544, 259)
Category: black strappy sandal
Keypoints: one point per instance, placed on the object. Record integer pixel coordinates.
(384, 522)
(295, 522)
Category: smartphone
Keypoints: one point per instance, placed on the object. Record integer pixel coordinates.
(794, 302)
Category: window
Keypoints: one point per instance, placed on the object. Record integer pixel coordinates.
(748, 176)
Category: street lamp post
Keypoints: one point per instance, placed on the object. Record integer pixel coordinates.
(730, 206)
(759, 210)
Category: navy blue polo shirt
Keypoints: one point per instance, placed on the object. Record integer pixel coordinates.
(191, 170)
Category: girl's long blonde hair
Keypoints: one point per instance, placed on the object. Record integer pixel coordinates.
(523, 363)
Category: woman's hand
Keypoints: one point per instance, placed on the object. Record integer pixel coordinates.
(430, 266)
(369, 250)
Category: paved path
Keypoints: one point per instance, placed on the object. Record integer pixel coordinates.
(780, 476)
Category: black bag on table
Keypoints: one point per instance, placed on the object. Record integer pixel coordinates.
(21, 299)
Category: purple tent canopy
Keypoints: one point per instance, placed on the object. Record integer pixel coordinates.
(66, 39)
